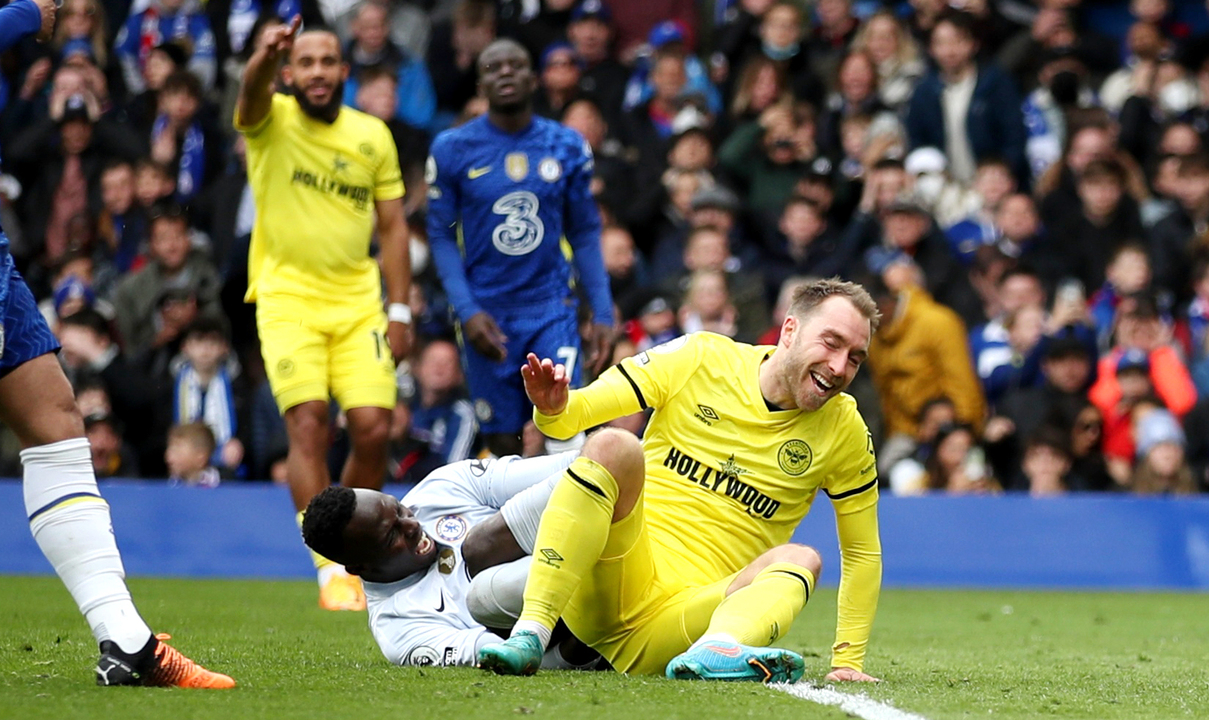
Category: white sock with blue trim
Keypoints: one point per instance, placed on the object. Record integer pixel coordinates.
(70, 522)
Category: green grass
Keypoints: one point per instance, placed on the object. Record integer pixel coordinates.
(942, 654)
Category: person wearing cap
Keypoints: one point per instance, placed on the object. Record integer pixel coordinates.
(59, 161)
(967, 108)
(173, 266)
(68, 518)
(635, 21)
(602, 77)
(1162, 467)
(907, 229)
(712, 206)
(503, 189)
(669, 37)
(559, 75)
(161, 21)
(326, 330)
(948, 201)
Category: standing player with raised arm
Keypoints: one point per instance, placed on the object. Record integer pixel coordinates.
(504, 190)
(324, 177)
(67, 515)
(672, 556)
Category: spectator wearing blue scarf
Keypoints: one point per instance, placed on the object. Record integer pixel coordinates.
(179, 139)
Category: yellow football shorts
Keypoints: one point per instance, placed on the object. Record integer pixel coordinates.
(318, 351)
(637, 610)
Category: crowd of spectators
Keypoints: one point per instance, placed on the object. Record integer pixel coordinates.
(1023, 185)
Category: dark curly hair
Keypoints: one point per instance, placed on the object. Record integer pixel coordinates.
(327, 515)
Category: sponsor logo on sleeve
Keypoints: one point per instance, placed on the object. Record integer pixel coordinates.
(423, 656)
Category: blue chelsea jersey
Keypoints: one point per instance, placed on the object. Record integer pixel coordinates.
(498, 206)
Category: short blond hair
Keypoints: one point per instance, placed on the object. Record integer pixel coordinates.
(808, 297)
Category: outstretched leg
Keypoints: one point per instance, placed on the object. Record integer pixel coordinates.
(70, 522)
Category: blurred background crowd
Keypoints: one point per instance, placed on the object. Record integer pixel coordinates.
(1022, 184)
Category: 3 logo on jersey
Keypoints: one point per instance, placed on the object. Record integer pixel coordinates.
(522, 229)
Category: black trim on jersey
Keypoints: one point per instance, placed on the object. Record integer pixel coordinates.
(586, 484)
(854, 491)
(805, 584)
(626, 375)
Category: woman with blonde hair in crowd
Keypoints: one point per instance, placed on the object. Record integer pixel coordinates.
(82, 20)
(895, 53)
(761, 84)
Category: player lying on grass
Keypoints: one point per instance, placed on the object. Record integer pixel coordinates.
(673, 555)
(417, 556)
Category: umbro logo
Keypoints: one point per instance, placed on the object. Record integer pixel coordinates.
(475, 173)
(706, 414)
(550, 557)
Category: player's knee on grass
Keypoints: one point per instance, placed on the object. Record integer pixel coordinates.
(497, 594)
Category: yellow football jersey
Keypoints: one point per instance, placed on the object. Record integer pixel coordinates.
(726, 477)
(315, 185)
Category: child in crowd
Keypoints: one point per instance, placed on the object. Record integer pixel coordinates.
(203, 389)
(190, 447)
(1128, 273)
(1162, 468)
(1047, 462)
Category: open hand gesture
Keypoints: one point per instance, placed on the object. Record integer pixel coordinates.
(547, 385)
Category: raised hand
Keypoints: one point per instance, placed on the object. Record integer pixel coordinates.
(547, 385)
(278, 40)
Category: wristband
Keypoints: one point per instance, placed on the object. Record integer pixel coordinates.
(398, 312)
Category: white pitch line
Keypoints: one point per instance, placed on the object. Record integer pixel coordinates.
(861, 706)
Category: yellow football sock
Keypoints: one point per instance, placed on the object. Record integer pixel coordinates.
(570, 538)
(764, 610)
(320, 561)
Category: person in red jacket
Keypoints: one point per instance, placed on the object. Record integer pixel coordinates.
(1144, 359)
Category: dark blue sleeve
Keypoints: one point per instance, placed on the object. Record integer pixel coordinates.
(581, 224)
(443, 215)
(17, 20)
(1009, 115)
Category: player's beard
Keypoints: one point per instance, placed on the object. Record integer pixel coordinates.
(326, 112)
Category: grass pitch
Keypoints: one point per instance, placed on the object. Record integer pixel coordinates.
(942, 654)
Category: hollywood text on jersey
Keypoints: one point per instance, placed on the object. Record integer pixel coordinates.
(724, 481)
(358, 194)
